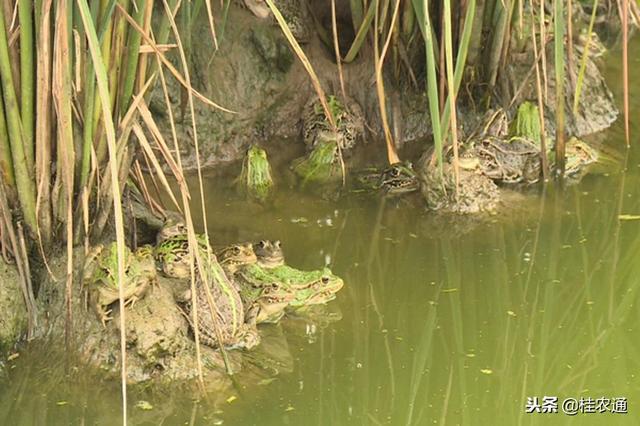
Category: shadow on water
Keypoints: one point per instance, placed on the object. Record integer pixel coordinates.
(442, 321)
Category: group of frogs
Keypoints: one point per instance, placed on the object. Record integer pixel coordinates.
(490, 156)
(236, 288)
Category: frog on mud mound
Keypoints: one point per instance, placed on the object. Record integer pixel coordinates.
(347, 116)
(221, 314)
(100, 277)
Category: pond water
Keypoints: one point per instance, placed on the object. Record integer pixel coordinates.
(440, 321)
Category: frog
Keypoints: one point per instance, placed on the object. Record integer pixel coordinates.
(266, 301)
(234, 328)
(474, 192)
(512, 160)
(172, 255)
(295, 13)
(235, 256)
(268, 253)
(398, 178)
(347, 115)
(100, 278)
(309, 287)
(578, 156)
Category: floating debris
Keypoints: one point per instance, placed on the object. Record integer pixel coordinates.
(486, 371)
(144, 405)
(629, 217)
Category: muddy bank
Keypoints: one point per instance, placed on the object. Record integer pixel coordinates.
(159, 346)
(13, 321)
(255, 74)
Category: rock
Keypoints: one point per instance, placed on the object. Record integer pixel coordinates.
(13, 320)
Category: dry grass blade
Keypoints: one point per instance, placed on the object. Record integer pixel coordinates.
(452, 92)
(194, 246)
(168, 64)
(305, 62)
(212, 25)
(43, 127)
(144, 143)
(61, 91)
(392, 155)
(174, 165)
(103, 90)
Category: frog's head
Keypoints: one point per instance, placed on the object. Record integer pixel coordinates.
(273, 300)
(268, 253)
(256, 153)
(399, 178)
(144, 260)
(173, 225)
(322, 287)
(237, 255)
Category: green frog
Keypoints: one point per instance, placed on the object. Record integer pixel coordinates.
(398, 178)
(308, 287)
(100, 278)
(172, 255)
(268, 253)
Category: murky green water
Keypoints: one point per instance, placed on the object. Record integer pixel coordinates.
(439, 321)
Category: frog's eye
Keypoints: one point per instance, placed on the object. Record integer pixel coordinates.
(277, 243)
(325, 280)
(262, 243)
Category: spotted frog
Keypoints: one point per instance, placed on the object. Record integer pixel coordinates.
(398, 178)
(235, 256)
(308, 287)
(100, 277)
(347, 116)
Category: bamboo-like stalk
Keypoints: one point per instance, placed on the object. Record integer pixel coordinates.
(503, 10)
(132, 56)
(422, 13)
(625, 67)
(305, 62)
(448, 30)
(357, 12)
(543, 133)
(23, 168)
(88, 110)
(27, 76)
(61, 91)
(392, 156)
(461, 61)
(6, 161)
(103, 89)
(585, 57)
(362, 32)
(559, 76)
(43, 124)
